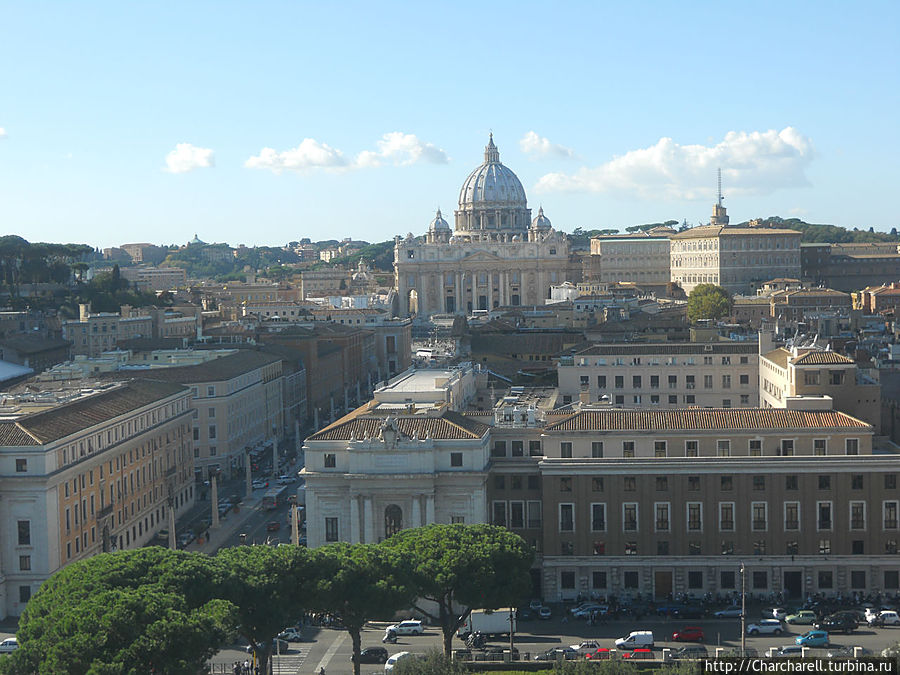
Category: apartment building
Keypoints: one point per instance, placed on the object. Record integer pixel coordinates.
(87, 469)
(642, 258)
(96, 332)
(788, 376)
(664, 375)
(155, 278)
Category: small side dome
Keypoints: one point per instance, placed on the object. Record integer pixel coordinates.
(438, 224)
(542, 222)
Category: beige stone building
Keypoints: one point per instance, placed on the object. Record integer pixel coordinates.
(642, 258)
(495, 256)
(96, 332)
(155, 278)
(87, 470)
(662, 375)
(736, 258)
(787, 377)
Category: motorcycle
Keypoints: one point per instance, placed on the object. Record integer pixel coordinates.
(389, 638)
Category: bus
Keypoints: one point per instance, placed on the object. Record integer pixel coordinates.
(270, 499)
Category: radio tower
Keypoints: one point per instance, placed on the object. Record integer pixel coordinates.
(719, 214)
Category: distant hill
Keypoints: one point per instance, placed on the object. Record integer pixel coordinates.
(817, 233)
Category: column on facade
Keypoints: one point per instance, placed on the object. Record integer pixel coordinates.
(490, 291)
(421, 294)
(429, 509)
(504, 290)
(416, 515)
(459, 290)
(354, 519)
(368, 521)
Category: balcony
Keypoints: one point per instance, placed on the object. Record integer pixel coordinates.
(890, 524)
(759, 524)
(791, 525)
(690, 385)
(105, 511)
(824, 524)
(662, 525)
(630, 525)
(696, 525)
(726, 525)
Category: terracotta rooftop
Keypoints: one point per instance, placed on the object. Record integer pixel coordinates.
(643, 348)
(449, 425)
(730, 419)
(820, 358)
(724, 230)
(223, 368)
(83, 413)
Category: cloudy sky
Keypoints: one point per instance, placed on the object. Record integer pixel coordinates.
(265, 122)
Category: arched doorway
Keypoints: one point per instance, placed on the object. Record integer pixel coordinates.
(393, 520)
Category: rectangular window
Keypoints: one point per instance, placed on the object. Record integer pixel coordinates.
(330, 460)
(597, 484)
(25, 563)
(534, 482)
(635, 381)
(598, 517)
(759, 483)
(601, 381)
(662, 483)
(727, 547)
(662, 547)
(21, 465)
(726, 516)
(565, 484)
(826, 579)
(723, 448)
(597, 449)
(755, 448)
(620, 382)
(823, 510)
(790, 483)
(820, 446)
(24, 532)
(693, 483)
(654, 381)
(630, 517)
(534, 514)
(727, 579)
(695, 517)
(726, 382)
(499, 513)
(787, 447)
(889, 510)
(456, 459)
(851, 446)
(25, 593)
(890, 481)
(857, 515)
(745, 380)
(331, 529)
(792, 515)
(707, 381)
(726, 483)
(598, 580)
(659, 449)
(695, 579)
(628, 449)
(691, 448)
(673, 381)
(499, 482)
(662, 516)
(629, 483)
(566, 517)
(824, 482)
(760, 580)
(565, 450)
(856, 481)
(534, 448)
(518, 448)
(759, 511)
(499, 449)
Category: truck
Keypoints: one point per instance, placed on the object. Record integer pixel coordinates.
(488, 622)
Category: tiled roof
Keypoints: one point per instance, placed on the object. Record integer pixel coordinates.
(638, 349)
(12, 434)
(719, 230)
(706, 419)
(31, 344)
(778, 356)
(223, 368)
(67, 419)
(448, 426)
(819, 358)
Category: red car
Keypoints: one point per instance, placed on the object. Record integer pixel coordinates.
(599, 655)
(688, 634)
(638, 654)
(273, 526)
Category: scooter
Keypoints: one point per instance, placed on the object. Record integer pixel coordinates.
(389, 638)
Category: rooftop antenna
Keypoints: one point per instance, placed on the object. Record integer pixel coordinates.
(719, 171)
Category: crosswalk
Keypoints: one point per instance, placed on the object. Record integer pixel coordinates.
(289, 664)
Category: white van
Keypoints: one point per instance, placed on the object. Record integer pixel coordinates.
(392, 661)
(636, 639)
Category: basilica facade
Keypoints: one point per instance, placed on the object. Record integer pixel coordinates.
(496, 255)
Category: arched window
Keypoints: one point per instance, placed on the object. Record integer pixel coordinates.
(393, 520)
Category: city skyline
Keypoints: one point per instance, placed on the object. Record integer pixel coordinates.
(129, 123)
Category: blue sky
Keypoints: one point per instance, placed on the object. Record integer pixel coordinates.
(265, 122)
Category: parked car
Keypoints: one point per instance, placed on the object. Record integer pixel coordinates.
(636, 639)
(544, 613)
(812, 638)
(729, 613)
(779, 613)
(788, 651)
(373, 655)
(586, 646)
(638, 654)
(535, 605)
(585, 611)
(805, 617)
(599, 655)
(392, 660)
(837, 623)
(408, 627)
(259, 484)
(765, 627)
(290, 634)
(690, 652)
(885, 617)
(552, 654)
(9, 645)
(688, 634)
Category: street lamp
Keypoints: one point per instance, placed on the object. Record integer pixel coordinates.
(743, 612)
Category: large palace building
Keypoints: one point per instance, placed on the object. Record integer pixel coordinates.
(495, 256)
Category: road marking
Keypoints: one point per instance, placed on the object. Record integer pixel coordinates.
(331, 651)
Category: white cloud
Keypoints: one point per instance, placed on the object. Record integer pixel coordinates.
(2, 133)
(405, 149)
(757, 162)
(310, 154)
(395, 147)
(532, 144)
(186, 157)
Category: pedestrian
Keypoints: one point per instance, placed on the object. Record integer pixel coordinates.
(322, 670)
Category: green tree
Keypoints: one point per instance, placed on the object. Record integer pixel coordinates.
(463, 567)
(708, 301)
(269, 586)
(150, 610)
(358, 583)
(432, 662)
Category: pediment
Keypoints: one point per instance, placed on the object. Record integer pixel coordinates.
(482, 256)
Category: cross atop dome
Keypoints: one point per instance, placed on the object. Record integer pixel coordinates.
(491, 153)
